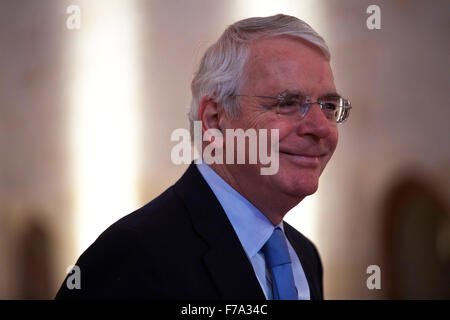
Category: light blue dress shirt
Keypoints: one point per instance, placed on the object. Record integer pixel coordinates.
(253, 230)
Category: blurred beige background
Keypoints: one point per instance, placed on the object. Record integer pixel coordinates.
(86, 117)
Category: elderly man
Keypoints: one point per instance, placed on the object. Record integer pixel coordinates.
(218, 233)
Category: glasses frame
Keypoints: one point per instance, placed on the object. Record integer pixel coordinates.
(281, 97)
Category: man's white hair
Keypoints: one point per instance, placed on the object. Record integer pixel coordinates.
(220, 73)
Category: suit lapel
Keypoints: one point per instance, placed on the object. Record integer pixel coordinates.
(305, 260)
(228, 265)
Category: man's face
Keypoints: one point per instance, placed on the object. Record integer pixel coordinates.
(306, 145)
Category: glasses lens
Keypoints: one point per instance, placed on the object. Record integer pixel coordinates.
(291, 105)
(343, 111)
(336, 110)
(330, 108)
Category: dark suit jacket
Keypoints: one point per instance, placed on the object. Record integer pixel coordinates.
(181, 245)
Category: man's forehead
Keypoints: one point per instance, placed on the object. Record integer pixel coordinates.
(288, 62)
(279, 47)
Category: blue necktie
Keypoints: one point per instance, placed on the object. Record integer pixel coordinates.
(277, 257)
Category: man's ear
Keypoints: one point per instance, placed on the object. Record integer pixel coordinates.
(209, 113)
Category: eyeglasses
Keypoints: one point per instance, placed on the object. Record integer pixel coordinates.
(335, 108)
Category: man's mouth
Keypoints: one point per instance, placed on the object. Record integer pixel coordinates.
(304, 160)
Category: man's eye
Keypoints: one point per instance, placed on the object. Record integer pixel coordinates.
(289, 103)
(330, 106)
(329, 109)
(288, 107)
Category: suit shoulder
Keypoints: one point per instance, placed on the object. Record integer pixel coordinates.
(296, 236)
(164, 209)
(299, 241)
(111, 265)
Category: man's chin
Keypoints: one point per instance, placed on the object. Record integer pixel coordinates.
(305, 191)
(303, 187)
(299, 182)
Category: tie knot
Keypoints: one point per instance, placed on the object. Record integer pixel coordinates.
(275, 249)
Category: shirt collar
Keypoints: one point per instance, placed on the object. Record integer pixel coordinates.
(251, 225)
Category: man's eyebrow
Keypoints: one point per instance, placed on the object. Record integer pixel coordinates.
(293, 94)
(330, 95)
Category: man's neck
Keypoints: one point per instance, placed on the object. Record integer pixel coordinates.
(273, 207)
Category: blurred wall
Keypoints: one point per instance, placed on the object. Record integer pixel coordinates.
(35, 201)
(396, 78)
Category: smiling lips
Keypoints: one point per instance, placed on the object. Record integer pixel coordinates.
(304, 160)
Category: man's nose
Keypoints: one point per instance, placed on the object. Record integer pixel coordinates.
(315, 122)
